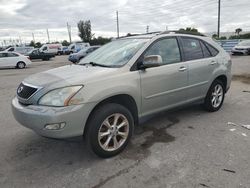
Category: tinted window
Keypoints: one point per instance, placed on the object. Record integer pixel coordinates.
(45, 48)
(192, 49)
(168, 49)
(212, 50)
(3, 55)
(206, 52)
(12, 55)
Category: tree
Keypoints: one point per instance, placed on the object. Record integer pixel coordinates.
(100, 41)
(215, 36)
(65, 43)
(238, 30)
(84, 29)
(190, 30)
(223, 38)
(38, 45)
(32, 43)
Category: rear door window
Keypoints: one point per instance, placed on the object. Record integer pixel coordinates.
(192, 48)
(2, 55)
(12, 55)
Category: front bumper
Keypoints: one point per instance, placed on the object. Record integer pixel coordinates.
(36, 117)
(235, 51)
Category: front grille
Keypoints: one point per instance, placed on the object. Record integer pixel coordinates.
(24, 91)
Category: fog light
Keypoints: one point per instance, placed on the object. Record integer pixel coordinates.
(55, 126)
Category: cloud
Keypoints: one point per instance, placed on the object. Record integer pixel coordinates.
(22, 17)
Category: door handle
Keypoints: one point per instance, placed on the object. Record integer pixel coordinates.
(213, 62)
(181, 69)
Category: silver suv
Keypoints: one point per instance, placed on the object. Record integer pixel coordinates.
(104, 96)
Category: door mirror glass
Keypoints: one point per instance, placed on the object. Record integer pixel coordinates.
(152, 61)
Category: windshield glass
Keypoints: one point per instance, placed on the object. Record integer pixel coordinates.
(244, 43)
(115, 53)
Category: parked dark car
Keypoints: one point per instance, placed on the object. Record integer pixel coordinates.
(36, 54)
(76, 57)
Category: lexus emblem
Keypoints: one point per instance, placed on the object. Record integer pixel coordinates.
(20, 89)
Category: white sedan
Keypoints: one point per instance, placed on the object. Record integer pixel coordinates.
(13, 59)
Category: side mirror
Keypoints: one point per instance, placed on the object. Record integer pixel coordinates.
(151, 61)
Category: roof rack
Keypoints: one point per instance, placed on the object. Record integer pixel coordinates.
(183, 32)
(131, 35)
(166, 32)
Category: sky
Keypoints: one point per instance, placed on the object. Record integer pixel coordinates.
(20, 18)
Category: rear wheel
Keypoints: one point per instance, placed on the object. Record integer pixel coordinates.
(215, 96)
(109, 130)
(20, 65)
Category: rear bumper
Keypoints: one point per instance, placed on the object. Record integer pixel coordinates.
(36, 117)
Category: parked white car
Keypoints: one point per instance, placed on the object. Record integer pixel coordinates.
(19, 49)
(243, 48)
(13, 59)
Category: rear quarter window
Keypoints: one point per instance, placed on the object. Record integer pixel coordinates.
(191, 48)
(212, 49)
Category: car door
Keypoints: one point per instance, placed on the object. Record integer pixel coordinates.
(164, 86)
(201, 65)
(1, 60)
(12, 59)
(4, 62)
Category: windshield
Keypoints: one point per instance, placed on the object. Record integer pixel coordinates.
(115, 53)
(244, 43)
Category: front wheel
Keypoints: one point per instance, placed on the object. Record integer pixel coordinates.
(109, 130)
(215, 96)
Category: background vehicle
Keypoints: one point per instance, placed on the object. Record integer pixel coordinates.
(36, 54)
(76, 47)
(50, 48)
(13, 59)
(76, 57)
(106, 94)
(243, 48)
(20, 50)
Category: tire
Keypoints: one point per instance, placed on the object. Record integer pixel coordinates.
(215, 96)
(97, 125)
(20, 65)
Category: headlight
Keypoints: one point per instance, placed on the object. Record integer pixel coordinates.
(62, 97)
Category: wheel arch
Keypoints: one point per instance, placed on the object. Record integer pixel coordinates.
(223, 79)
(123, 99)
(20, 62)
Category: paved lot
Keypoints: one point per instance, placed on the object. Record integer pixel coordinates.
(183, 148)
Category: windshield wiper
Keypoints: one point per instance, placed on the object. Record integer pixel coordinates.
(95, 64)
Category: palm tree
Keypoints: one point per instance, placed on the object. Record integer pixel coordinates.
(238, 30)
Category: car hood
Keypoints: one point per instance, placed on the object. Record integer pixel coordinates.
(68, 75)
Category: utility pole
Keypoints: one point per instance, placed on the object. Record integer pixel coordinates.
(48, 35)
(147, 29)
(117, 24)
(69, 31)
(33, 37)
(218, 31)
